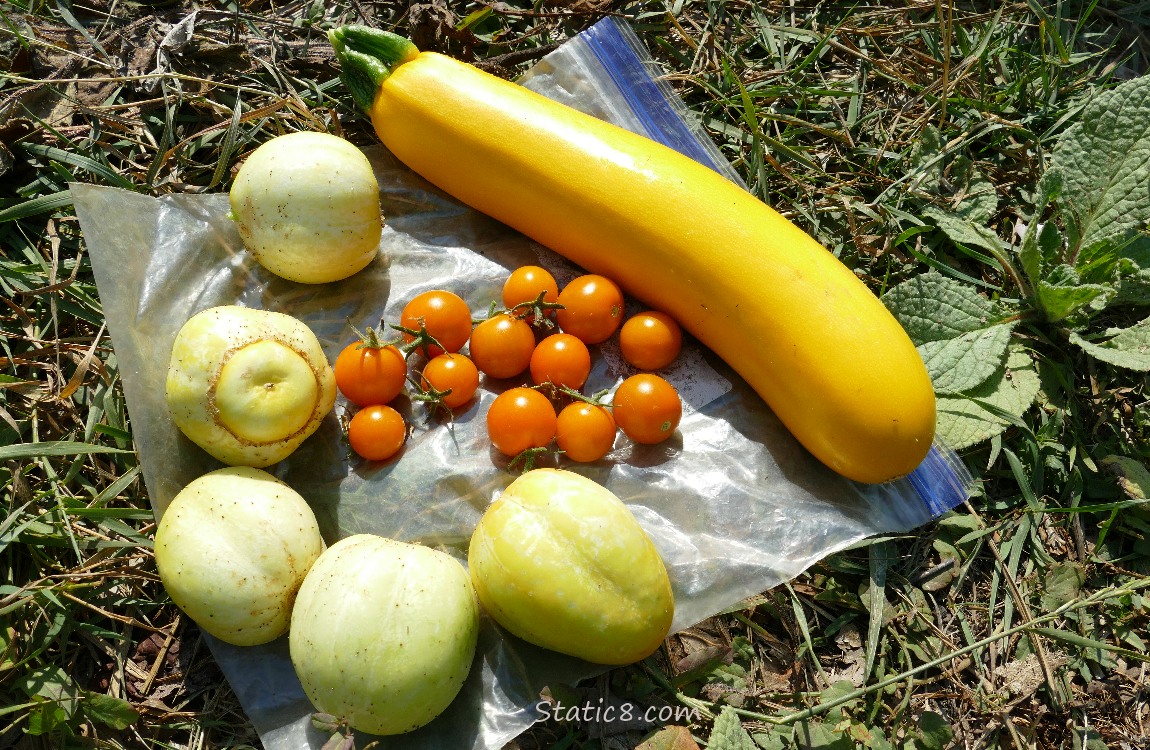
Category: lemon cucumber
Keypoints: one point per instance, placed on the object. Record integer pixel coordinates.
(798, 325)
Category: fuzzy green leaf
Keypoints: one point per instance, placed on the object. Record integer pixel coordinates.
(1061, 584)
(1137, 251)
(960, 364)
(963, 230)
(933, 307)
(1127, 347)
(882, 556)
(926, 161)
(1104, 163)
(110, 711)
(954, 525)
(1042, 246)
(1133, 288)
(977, 199)
(1099, 263)
(817, 735)
(775, 738)
(1061, 301)
(875, 739)
(46, 718)
(727, 733)
(1133, 270)
(977, 415)
(934, 732)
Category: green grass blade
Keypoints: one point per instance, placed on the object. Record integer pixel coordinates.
(1081, 641)
(41, 205)
(115, 488)
(103, 513)
(7, 536)
(882, 555)
(54, 448)
(229, 145)
(805, 629)
(80, 161)
(1024, 485)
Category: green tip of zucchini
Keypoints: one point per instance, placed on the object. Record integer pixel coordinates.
(367, 57)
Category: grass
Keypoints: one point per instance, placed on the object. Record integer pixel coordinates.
(1019, 620)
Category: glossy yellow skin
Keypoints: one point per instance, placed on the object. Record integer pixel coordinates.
(789, 317)
(560, 561)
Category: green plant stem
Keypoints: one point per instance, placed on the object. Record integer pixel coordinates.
(421, 340)
(369, 338)
(536, 311)
(1019, 279)
(595, 399)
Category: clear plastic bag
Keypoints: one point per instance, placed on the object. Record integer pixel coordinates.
(733, 503)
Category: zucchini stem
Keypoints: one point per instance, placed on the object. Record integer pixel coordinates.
(367, 57)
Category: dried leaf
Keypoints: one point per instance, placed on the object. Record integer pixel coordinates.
(669, 738)
(1133, 476)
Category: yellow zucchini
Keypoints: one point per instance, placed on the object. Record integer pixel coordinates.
(806, 333)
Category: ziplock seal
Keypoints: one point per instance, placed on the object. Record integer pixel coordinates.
(942, 481)
(655, 105)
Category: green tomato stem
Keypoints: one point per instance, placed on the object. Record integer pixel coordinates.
(595, 399)
(421, 340)
(369, 338)
(525, 461)
(535, 311)
(433, 397)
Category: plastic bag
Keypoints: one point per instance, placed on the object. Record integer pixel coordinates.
(734, 504)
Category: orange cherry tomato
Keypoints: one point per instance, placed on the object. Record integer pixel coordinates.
(444, 314)
(585, 432)
(561, 359)
(368, 375)
(647, 408)
(501, 346)
(451, 372)
(526, 283)
(650, 340)
(520, 418)
(377, 432)
(592, 308)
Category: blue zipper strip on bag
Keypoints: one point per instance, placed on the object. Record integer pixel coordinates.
(642, 94)
(941, 480)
